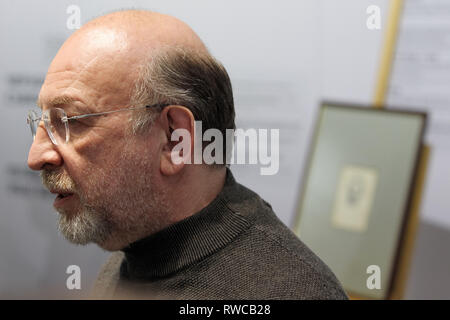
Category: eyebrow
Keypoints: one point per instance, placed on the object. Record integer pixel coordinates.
(57, 101)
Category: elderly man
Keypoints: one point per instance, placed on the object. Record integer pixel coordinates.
(113, 96)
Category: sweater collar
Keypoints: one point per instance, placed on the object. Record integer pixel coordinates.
(186, 241)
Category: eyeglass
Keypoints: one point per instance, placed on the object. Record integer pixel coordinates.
(56, 121)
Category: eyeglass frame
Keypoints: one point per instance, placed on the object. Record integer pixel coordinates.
(65, 119)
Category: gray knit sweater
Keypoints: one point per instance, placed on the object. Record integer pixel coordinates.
(235, 248)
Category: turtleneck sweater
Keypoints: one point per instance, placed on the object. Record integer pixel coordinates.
(234, 248)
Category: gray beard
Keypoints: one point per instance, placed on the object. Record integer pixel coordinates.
(113, 223)
(116, 226)
(85, 226)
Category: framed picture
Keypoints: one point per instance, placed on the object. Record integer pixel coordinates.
(356, 192)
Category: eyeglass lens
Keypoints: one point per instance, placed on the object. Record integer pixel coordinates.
(33, 121)
(54, 124)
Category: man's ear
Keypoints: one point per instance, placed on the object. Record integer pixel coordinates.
(178, 123)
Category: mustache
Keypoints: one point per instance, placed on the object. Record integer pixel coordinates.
(57, 180)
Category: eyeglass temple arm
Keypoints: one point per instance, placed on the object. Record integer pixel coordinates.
(107, 112)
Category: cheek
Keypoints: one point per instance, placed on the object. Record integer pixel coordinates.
(106, 164)
(95, 167)
(100, 147)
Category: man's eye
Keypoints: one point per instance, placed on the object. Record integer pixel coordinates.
(74, 121)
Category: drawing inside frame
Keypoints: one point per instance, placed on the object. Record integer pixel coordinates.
(354, 197)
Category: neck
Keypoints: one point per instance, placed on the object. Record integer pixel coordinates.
(193, 190)
(184, 195)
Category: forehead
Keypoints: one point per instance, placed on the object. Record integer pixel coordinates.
(90, 67)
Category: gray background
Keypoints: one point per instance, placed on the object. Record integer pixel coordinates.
(285, 56)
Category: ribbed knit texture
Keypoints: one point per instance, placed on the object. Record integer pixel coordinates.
(235, 248)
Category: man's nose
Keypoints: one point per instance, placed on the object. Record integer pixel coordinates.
(43, 151)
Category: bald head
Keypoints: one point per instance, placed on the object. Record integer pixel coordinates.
(148, 29)
(105, 56)
(134, 34)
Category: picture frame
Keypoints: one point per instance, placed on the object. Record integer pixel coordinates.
(357, 191)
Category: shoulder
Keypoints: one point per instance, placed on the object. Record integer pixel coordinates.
(284, 266)
(296, 268)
